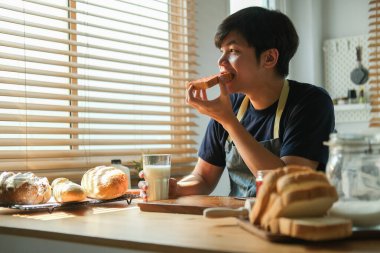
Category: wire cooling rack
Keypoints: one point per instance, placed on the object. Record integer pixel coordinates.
(50, 207)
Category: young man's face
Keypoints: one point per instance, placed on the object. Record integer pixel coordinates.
(239, 59)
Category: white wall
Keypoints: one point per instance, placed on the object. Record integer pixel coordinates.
(316, 21)
(210, 14)
(319, 20)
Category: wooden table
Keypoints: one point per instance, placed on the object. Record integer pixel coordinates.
(119, 227)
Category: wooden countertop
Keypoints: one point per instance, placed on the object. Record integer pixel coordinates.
(124, 226)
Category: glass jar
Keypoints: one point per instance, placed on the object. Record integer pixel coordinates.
(259, 180)
(354, 169)
(117, 164)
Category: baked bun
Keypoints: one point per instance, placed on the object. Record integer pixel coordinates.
(105, 182)
(295, 192)
(66, 191)
(210, 81)
(23, 189)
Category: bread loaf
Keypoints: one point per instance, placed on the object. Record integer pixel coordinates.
(268, 187)
(315, 229)
(289, 196)
(210, 81)
(105, 182)
(23, 189)
(66, 191)
(314, 202)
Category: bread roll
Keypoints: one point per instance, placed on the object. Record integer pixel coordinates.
(23, 189)
(315, 229)
(105, 182)
(66, 191)
(210, 81)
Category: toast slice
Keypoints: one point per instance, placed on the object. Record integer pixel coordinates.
(208, 82)
(315, 229)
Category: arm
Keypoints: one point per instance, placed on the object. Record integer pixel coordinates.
(252, 152)
(255, 155)
(201, 181)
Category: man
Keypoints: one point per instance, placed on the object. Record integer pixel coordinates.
(260, 121)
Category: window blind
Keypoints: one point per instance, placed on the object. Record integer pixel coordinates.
(374, 59)
(87, 81)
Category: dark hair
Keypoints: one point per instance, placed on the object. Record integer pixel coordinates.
(263, 29)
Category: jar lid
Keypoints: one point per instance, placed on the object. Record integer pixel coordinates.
(348, 139)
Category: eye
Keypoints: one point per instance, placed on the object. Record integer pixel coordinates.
(233, 51)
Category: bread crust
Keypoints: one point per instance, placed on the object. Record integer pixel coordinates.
(291, 194)
(316, 229)
(303, 179)
(24, 189)
(104, 182)
(300, 203)
(210, 81)
(65, 190)
(268, 187)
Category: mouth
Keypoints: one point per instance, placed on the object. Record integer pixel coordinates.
(227, 76)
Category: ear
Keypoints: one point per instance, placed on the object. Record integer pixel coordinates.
(269, 58)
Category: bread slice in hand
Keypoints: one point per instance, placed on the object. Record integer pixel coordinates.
(315, 229)
(210, 81)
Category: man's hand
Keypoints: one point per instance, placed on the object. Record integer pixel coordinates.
(143, 185)
(220, 108)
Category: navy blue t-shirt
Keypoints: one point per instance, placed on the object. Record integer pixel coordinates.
(306, 122)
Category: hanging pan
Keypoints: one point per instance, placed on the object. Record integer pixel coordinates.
(359, 75)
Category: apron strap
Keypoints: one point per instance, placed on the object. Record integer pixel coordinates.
(279, 111)
(241, 112)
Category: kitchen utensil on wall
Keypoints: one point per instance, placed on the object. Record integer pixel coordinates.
(359, 75)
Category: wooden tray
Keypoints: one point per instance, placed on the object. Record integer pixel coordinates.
(363, 233)
(190, 204)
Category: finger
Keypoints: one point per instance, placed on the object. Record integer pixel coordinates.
(223, 89)
(191, 96)
(204, 95)
(143, 185)
(197, 94)
(172, 188)
(144, 196)
(189, 93)
(141, 174)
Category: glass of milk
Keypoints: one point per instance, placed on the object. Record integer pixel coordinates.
(157, 173)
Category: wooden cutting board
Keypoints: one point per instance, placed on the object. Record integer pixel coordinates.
(190, 204)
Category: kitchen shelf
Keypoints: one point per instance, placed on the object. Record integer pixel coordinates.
(352, 107)
(352, 113)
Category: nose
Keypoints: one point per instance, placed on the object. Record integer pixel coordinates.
(223, 60)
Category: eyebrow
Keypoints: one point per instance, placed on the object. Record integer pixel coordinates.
(233, 41)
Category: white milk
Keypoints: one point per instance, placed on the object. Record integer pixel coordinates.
(157, 177)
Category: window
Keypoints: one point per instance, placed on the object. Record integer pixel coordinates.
(87, 81)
